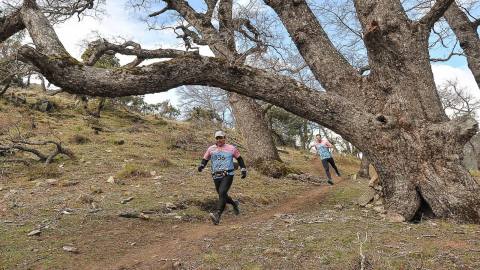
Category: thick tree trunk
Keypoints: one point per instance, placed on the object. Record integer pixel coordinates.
(423, 166)
(442, 185)
(252, 124)
(364, 170)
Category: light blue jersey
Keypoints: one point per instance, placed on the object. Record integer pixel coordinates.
(222, 157)
(322, 151)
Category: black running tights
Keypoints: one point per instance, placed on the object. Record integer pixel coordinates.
(222, 185)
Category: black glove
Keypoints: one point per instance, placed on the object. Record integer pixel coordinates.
(244, 173)
(200, 168)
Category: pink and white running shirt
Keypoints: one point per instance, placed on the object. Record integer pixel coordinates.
(222, 157)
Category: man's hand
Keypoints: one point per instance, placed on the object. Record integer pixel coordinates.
(244, 173)
(200, 168)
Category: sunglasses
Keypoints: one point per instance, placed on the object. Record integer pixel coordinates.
(219, 138)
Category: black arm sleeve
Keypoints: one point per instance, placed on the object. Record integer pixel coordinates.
(204, 162)
(241, 163)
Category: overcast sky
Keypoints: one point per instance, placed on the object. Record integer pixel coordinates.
(121, 21)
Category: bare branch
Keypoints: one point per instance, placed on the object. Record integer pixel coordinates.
(57, 11)
(467, 36)
(452, 53)
(327, 64)
(102, 46)
(163, 10)
(435, 13)
(47, 158)
(210, 7)
(10, 25)
(202, 23)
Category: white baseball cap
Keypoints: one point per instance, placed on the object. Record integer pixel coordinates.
(219, 134)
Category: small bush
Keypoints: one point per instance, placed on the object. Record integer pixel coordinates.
(132, 170)
(79, 139)
(163, 162)
(160, 122)
(116, 141)
(274, 168)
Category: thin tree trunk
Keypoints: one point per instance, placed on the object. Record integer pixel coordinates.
(28, 80)
(467, 35)
(98, 110)
(364, 170)
(42, 83)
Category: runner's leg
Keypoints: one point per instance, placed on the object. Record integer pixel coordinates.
(222, 190)
(332, 162)
(326, 167)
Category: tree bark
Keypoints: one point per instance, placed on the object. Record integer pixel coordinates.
(10, 25)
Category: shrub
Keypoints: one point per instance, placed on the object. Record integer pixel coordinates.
(274, 168)
(162, 162)
(79, 139)
(132, 170)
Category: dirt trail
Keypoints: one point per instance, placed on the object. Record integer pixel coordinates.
(164, 252)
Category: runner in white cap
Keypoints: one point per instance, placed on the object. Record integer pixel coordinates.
(222, 155)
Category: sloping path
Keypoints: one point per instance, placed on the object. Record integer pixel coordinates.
(164, 252)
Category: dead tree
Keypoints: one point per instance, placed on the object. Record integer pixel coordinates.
(28, 146)
(393, 114)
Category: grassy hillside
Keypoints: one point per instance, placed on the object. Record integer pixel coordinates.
(285, 224)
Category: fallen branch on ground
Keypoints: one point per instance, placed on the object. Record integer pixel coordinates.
(25, 146)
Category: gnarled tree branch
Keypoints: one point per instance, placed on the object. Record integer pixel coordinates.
(327, 64)
(196, 70)
(435, 13)
(102, 46)
(47, 158)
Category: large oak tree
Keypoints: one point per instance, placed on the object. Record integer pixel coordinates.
(393, 114)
